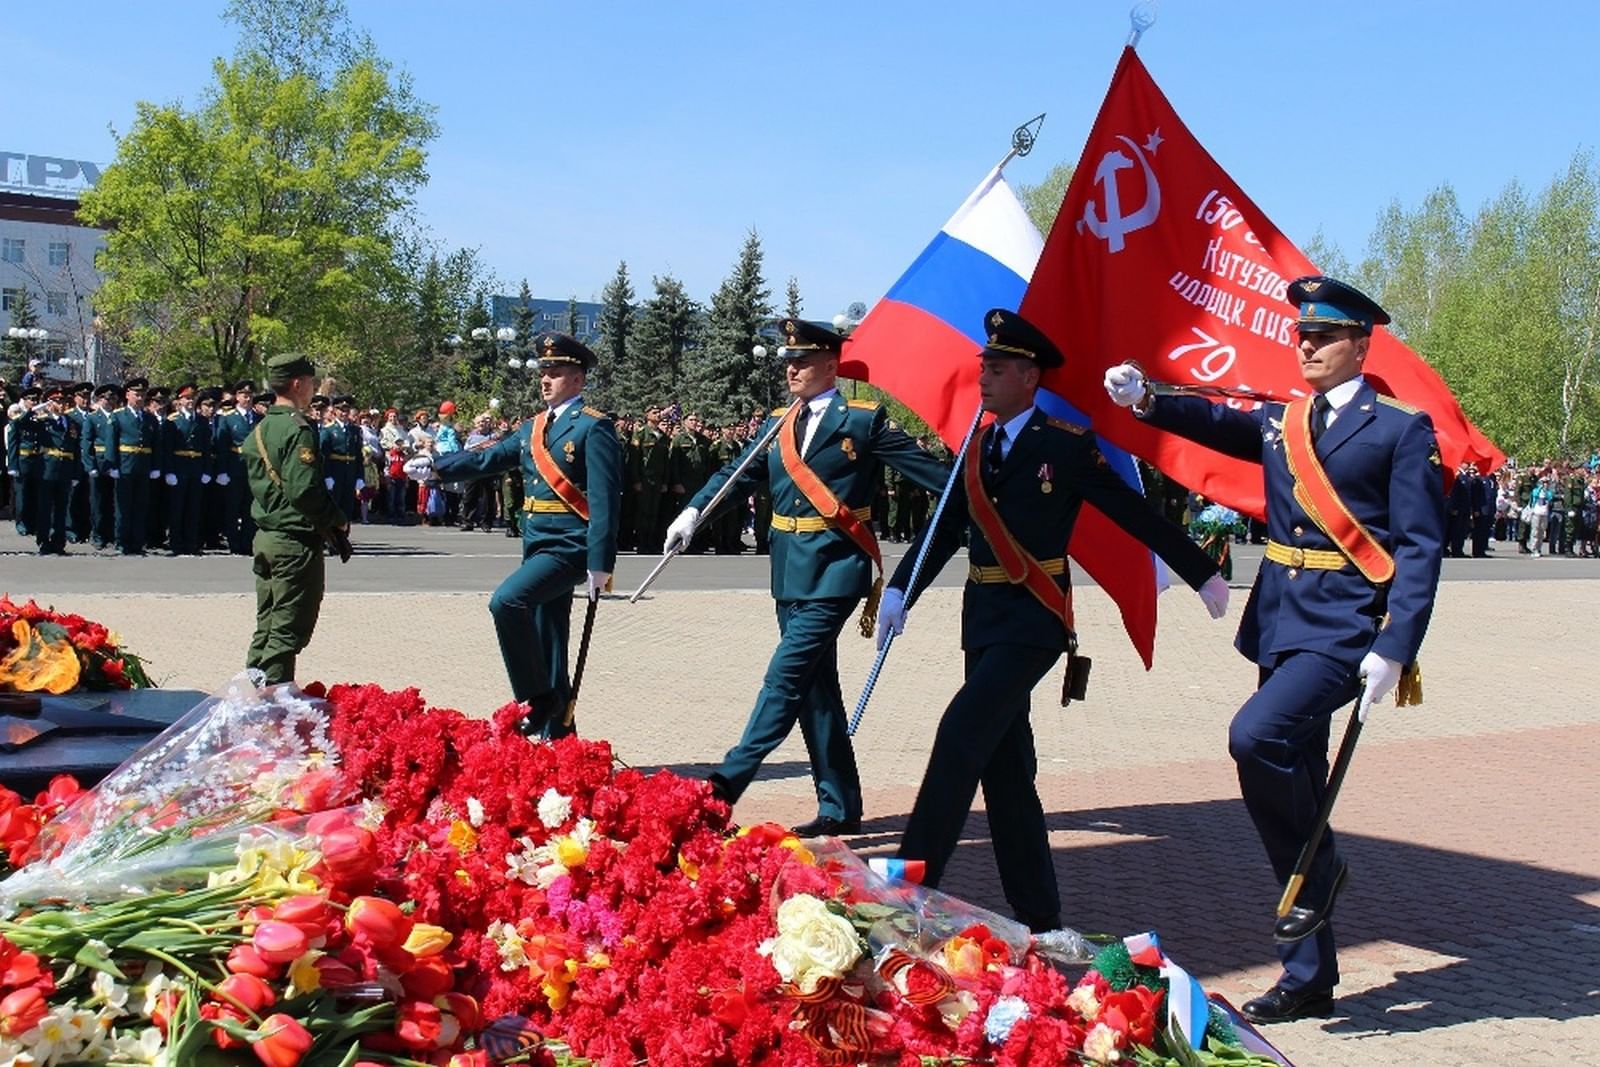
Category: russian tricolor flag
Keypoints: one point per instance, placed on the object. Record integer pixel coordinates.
(920, 343)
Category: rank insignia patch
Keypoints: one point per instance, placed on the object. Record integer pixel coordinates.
(307, 456)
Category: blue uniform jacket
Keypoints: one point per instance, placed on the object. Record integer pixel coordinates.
(187, 448)
(583, 443)
(133, 442)
(851, 442)
(1051, 470)
(1383, 461)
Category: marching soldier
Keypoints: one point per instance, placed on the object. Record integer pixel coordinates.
(1355, 524)
(293, 514)
(238, 525)
(822, 472)
(572, 468)
(186, 467)
(132, 442)
(650, 482)
(1018, 495)
(102, 490)
(22, 461)
(78, 511)
(58, 446)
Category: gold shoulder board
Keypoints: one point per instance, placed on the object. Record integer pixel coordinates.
(1063, 424)
(594, 413)
(1401, 404)
(865, 405)
(780, 411)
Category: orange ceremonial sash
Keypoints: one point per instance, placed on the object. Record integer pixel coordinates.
(817, 493)
(570, 494)
(1020, 567)
(1316, 494)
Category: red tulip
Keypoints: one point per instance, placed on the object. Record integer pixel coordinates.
(246, 991)
(427, 978)
(247, 959)
(309, 912)
(20, 970)
(165, 1005)
(215, 1012)
(280, 942)
(350, 855)
(22, 1009)
(378, 922)
(418, 1024)
(281, 1041)
(463, 1007)
(476, 1058)
(335, 974)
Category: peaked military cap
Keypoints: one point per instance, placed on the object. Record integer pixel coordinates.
(557, 348)
(246, 385)
(1329, 304)
(319, 402)
(1011, 335)
(113, 391)
(341, 400)
(51, 389)
(266, 396)
(160, 392)
(802, 337)
(186, 389)
(83, 387)
(33, 392)
(209, 395)
(135, 383)
(283, 366)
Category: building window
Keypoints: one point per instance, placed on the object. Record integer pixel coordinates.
(55, 351)
(60, 251)
(12, 249)
(56, 303)
(10, 298)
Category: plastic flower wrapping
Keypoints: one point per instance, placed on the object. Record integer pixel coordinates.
(351, 876)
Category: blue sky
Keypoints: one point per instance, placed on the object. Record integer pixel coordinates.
(574, 135)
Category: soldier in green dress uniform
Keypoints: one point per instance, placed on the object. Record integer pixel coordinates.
(572, 472)
(102, 490)
(78, 513)
(132, 441)
(238, 528)
(293, 514)
(823, 463)
(157, 402)
(341, 454)
(186, 468)
(1033, 475)
(22, 461)
(650, 479)
(57, 442)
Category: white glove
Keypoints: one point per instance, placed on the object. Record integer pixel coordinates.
(419, 468)
(205, 479)
(891, 615)
(222, 479)
(1214, 595)
(681, 532)
(114, 473)
(361, 483)
(154, 474)
(1380, 675)
(1125, 384)
(598, 580)
(172, 479)
(94, 474)
(328, 482)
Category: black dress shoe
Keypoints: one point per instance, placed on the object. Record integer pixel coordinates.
(543, 717)
(827, 826)
(1301, 923)
(720, 787)
(1279, 1005)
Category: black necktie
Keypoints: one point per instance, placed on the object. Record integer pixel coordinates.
(1319, 415)
(800, 421)
(997, 454)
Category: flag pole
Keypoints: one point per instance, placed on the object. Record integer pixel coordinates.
(916, 566)
(1141, 17)
(1022, 139)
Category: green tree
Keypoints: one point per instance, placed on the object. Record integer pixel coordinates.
(791, 309)
(725, 380)
(615, 381)
(572, 316)
(666, 337)
(523, 317)
(18, 350)
(269, 215)
(1413, 258)
(1043, 200)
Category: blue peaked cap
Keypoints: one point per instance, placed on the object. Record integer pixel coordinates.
(1329, 304)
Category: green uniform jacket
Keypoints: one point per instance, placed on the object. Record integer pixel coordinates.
(232, 428)
(688, 462)
(133, 445)
(340, 444)
(652, 447)
(22, 450)
(851, 441)
(59, 443)
(583, 443)
(187, 452)
(96, 434)
(1052, 469)
(296, 501)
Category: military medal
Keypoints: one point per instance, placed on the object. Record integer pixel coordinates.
(569, 449)
(1046, 472)
(848, 447)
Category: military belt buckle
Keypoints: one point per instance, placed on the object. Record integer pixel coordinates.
(1297, 557)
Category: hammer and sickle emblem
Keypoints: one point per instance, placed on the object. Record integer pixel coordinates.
(1115, 226)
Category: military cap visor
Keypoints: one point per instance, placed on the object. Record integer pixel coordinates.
(1011, 336)
(135, 383)
(802, 338)
(31, 393)
(1328, 304)
(83, 387)
(319, 401)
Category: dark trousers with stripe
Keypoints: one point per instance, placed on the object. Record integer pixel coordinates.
(985, 738)
(1279, 742)
(532, 611)
(802, 686)
(133, 499)
(183, 515)
(102, 510)
(50, 500)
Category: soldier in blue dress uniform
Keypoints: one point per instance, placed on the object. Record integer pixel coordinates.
(1330, 615)
(133, 440)
(821, 567)
(1036, 473)
(572, 474)
(78, 510)
(22, 462)
(57, 444)
(102, 490)
(238, 527)
(186, 467)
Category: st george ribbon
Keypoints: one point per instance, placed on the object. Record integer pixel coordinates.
(921, 343)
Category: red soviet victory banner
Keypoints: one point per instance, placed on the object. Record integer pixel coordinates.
(1158, 256)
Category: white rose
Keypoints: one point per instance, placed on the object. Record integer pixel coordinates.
(813, 943)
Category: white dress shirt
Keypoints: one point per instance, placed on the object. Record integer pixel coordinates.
(818, 405)
(1012, 428)
(1339, 396)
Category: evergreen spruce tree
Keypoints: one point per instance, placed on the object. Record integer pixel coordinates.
(572, 316)
(523, 317)
(667, 335)
(614, 382)
(18, 350)
(725, 380)
(792, 308)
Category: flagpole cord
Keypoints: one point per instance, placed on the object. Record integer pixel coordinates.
(916, 567)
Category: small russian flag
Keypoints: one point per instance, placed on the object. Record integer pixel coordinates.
(892, 869)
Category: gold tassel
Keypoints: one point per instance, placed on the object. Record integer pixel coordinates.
(869, 614)
(1409, 691)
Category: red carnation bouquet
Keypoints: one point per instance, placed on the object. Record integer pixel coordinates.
(45, 651)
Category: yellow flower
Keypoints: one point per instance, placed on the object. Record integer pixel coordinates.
(428, 940)
(462, 837)
(690, 869)
(801, 853)
(571, 852)
(303, 974)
